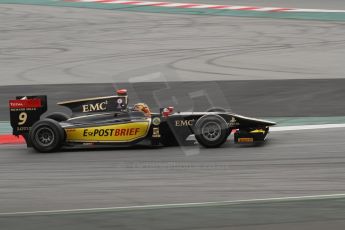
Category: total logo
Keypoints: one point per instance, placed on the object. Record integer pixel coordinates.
(101, 106)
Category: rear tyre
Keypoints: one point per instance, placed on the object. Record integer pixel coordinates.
(47, 136)
(211, 131)
(57, 116)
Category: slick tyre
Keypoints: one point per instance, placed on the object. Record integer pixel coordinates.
(211, 131)
(47, 136)
(58, 116)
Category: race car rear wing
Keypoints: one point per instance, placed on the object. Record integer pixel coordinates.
(25, 111)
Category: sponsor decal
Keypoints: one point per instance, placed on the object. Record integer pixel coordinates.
(156, 121)
(245, 140)
(155, 133)
(233, 122)
(258, 131)
(98, 104)
(184, 123)
(119, 103)
(109, 133)
(21, 129)
(101, 106)
(25, 104)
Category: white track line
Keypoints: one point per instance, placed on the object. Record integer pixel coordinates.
(178, 205)
(314, 11)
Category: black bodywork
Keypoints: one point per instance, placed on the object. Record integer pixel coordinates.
(173, 128)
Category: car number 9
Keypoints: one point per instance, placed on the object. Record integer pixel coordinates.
(22, 118)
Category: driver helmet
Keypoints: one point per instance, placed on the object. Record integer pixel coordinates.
(142, 107)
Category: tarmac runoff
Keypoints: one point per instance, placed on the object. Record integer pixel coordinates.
(194, 9)
(304, 212)
(136, 47)
(295, 181)
(82, 190)
(316, 215)
(177, 205)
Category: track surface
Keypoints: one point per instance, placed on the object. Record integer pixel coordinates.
(62, 46)
(291, 164)
(306, 215)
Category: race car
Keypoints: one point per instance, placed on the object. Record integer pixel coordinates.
(111, 121)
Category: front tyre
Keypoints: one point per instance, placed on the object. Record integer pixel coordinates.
(47, 136)
(211, 131)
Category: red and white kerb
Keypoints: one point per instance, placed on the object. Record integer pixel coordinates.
(207, 6)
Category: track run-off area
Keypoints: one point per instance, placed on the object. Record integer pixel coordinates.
(276, 9)
(280, 60)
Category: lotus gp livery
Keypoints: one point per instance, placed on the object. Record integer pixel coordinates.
(110, 121)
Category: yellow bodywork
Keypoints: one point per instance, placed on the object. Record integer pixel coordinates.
(258, 131)
(126, 132)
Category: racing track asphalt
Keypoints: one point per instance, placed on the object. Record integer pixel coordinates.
(306, 215)
(293, 163)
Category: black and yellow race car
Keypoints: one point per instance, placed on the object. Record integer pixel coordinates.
(110, 121)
